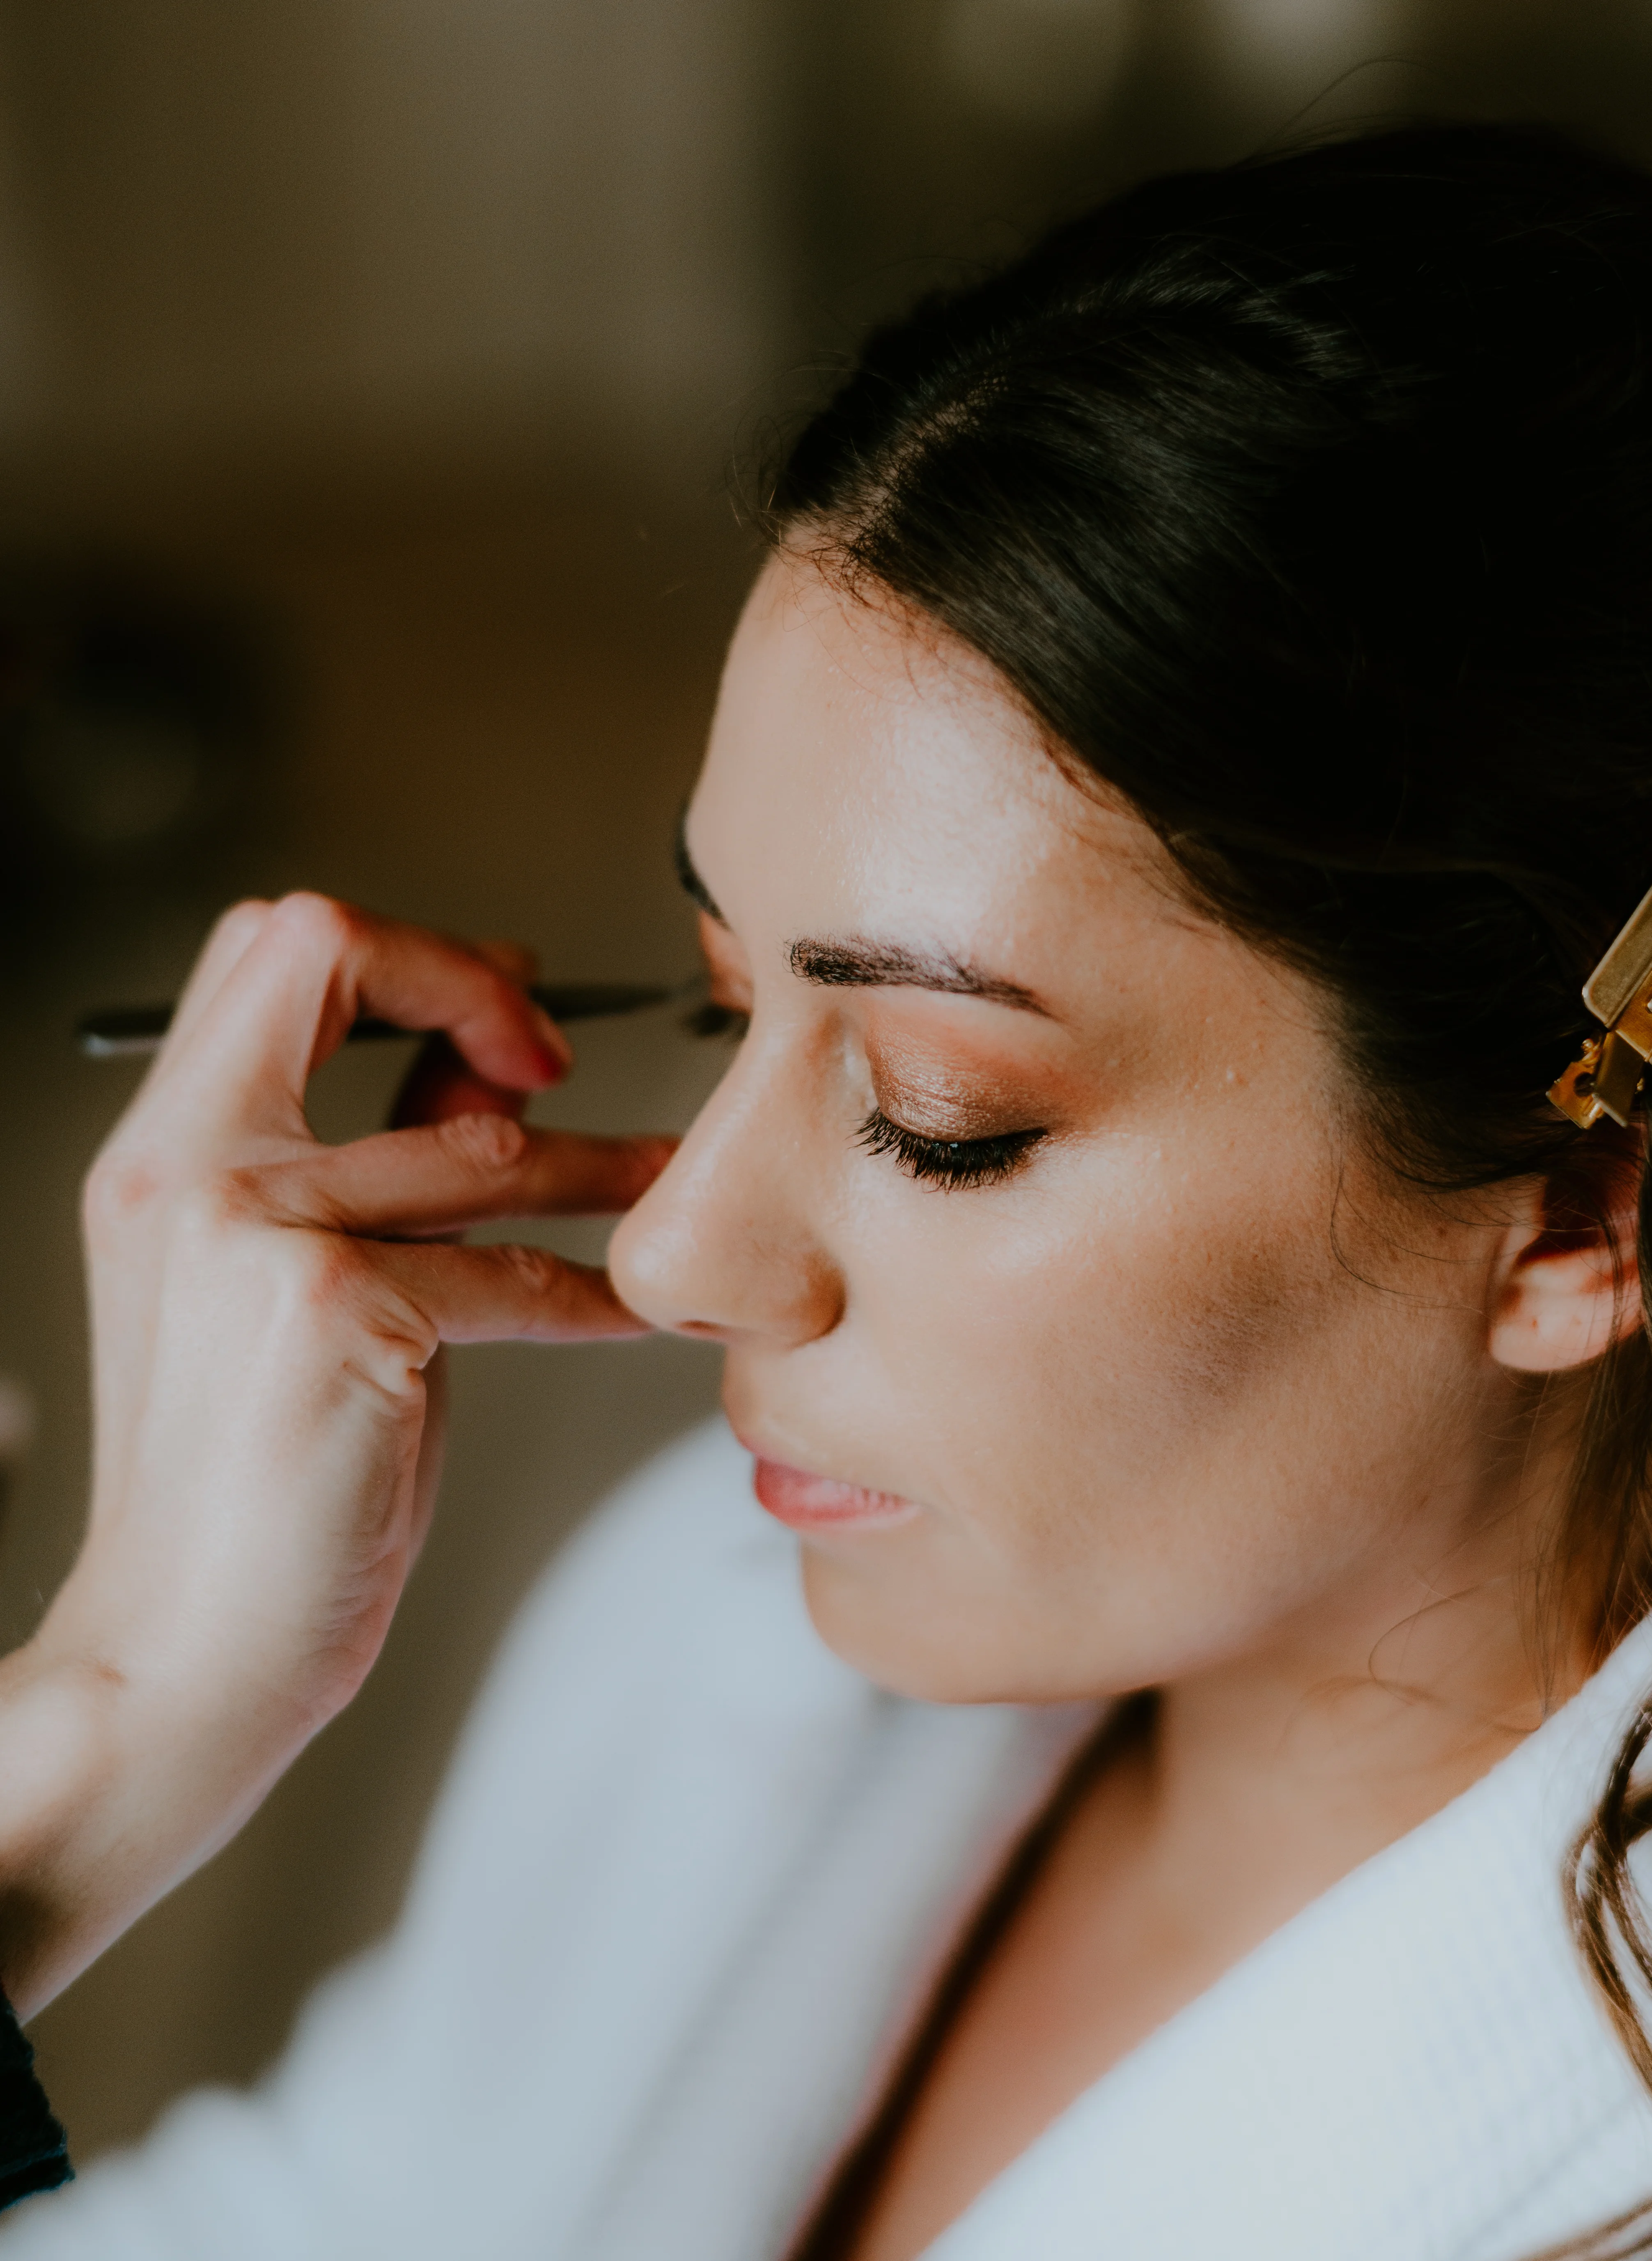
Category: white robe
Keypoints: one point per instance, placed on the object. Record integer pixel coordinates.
(681, 1899)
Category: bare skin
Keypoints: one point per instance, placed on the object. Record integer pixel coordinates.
(1195, 1397)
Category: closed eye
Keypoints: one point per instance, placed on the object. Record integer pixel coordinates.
(956, 1163)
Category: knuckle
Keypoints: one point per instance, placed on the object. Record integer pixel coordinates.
(241, 920)
(533, 1270)
(324, 1272)
(236, 1196)
(211, 1206)
(238, 1205)
(321, 922)
(482, 1145)
(336, 1293)
(119, 1186)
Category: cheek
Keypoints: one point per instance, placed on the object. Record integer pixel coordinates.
(1096, 1327)
(1107, 1393)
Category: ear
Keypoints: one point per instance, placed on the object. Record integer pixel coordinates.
(1554, 1302)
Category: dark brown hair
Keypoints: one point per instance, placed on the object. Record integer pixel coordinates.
(1308, 504)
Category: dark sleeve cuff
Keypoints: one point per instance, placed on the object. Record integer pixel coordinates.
(33, 2149)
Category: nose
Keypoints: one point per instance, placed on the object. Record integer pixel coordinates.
(721, 1245)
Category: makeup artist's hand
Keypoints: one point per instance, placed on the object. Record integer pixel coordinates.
(268, 1314)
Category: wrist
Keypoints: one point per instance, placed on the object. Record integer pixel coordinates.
(188, 1695)
(119, 1777)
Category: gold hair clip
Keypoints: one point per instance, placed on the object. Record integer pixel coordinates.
(1606, 1079)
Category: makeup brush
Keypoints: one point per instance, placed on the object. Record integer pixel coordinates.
(119, 1031)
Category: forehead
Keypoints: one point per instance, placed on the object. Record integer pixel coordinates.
(864, 768)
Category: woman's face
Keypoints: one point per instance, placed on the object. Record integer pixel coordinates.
(1067, 1323)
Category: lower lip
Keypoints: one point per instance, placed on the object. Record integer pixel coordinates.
(808, 1503)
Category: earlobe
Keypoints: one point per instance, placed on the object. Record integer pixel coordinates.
(1557, 1299)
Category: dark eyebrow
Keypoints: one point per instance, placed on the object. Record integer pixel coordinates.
(852, 963)
(692, 885)
(855, 964)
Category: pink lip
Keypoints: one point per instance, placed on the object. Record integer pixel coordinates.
(811, 1503)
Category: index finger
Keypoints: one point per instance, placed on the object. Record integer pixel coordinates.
(233, 933)
(314, 966)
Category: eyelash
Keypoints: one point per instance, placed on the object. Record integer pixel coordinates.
(957, 1164)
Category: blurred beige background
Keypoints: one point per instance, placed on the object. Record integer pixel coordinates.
(369, 375)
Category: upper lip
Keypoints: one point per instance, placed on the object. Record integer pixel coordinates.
(762, 1451)
(787, 1458)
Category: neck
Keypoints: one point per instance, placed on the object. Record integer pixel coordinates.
(1280, 1771)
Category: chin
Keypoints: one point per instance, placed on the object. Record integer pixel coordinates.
(893, 1634)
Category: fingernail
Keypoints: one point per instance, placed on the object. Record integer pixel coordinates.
(555, 1048)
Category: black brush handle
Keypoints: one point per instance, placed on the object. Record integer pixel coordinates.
(119, 1031)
